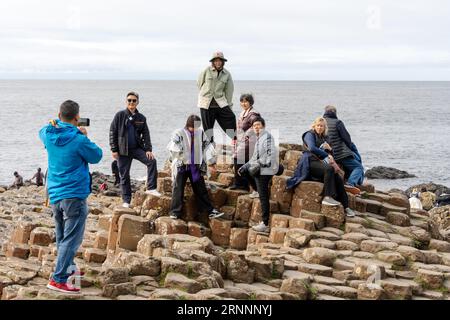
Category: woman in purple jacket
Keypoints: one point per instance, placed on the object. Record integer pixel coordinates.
(246, 140)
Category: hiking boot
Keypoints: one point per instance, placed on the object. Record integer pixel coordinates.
(261, 227)
(350, 213)
(215, 214)
(62, 287)
(330, 202)
(352, 189)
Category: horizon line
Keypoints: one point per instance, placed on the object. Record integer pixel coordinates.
(236, 80)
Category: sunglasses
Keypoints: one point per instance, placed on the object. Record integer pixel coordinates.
(132, 100)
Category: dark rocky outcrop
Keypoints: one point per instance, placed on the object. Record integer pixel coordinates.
(437, 189)
(381, 172)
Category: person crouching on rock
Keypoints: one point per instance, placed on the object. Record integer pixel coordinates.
(315, 164)
(69, 184)
(260, 169)
(190, 152)
(39, 177)
(18, 180)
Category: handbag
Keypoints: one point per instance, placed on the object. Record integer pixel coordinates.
(280, 170)
(253, 170)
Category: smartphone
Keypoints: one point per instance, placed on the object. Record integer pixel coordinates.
(84, 122)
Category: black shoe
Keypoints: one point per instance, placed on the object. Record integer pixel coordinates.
(237, 187)
(211, 187)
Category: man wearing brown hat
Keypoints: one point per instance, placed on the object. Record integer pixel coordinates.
(215, 97)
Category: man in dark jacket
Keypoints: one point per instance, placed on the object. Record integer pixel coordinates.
(39, 177)
(344, 150)
(129, 139)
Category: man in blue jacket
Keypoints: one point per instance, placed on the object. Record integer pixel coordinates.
(69, 184)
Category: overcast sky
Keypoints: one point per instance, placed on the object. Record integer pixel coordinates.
(276, 39)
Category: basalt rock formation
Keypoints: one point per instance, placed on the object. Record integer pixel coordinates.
(313, 251)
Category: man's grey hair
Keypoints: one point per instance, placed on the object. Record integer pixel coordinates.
(330, 109)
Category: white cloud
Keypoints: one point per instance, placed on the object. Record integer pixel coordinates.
(282, 40)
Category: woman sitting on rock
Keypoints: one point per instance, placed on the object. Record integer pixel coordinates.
(317, 164)
(260, 169)
(190, 151)
(245, 142)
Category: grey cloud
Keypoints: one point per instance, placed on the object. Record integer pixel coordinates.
(173, 39)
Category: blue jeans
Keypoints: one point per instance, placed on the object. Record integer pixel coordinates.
(354, 169)
(70, 220)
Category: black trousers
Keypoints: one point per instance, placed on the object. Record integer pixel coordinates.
(261, 184)
(240, 181)
(124, 172)
(333, 184)
(224, 116)
(200, 191)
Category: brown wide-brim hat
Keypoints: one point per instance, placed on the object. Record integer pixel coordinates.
(218, 55)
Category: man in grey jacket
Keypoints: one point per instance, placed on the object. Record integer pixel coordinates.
(215, 98)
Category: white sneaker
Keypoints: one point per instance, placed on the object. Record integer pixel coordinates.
(153, 192)
(350, 213)
(125, 205)
(261, 227)
(215, 214)
(254, 195)
(330, 201)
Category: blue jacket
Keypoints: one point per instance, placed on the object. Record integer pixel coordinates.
(302, 172)
(69, 152)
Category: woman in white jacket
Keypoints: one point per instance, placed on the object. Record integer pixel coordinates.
(190, 153)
